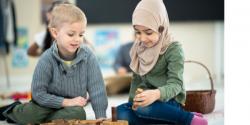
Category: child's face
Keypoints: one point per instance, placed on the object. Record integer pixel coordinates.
(147, 36)
(69, 37)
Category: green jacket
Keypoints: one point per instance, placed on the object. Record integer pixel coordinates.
(167, 76)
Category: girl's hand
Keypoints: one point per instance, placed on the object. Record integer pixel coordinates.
(77, 101)
(147, 97)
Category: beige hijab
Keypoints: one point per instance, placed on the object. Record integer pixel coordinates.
(151, 14)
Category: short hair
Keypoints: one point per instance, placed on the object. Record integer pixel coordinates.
(55, 3)
(66, 13)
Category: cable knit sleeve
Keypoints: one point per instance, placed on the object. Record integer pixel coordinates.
(41, 78)
(96, 88)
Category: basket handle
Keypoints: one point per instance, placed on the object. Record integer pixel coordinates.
(210, 76)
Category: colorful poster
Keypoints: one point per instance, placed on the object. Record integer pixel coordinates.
(106, 43)
(20, 57)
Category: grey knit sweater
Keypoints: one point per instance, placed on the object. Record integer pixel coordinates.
(53, 81)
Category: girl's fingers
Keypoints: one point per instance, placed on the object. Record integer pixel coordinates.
(138, 99)
(140, 95)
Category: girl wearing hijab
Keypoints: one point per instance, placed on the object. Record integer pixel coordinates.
(157, 63)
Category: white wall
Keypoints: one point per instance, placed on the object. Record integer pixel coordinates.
(202, 41)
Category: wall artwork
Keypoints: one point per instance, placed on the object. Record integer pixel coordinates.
(20, 57)
(106, 43)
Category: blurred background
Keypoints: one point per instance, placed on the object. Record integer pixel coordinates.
(198, 25)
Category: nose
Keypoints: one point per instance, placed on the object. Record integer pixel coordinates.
(142, 38)
(78, 39)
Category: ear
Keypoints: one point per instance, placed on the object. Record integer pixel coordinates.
(161, 29)
(53, 32)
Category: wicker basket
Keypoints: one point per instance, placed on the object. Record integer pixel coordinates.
(202, 101)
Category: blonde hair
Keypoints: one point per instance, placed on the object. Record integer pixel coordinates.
(66, 13)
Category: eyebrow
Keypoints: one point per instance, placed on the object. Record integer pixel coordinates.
(75, 31)
(147, 30)
(143, 30)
